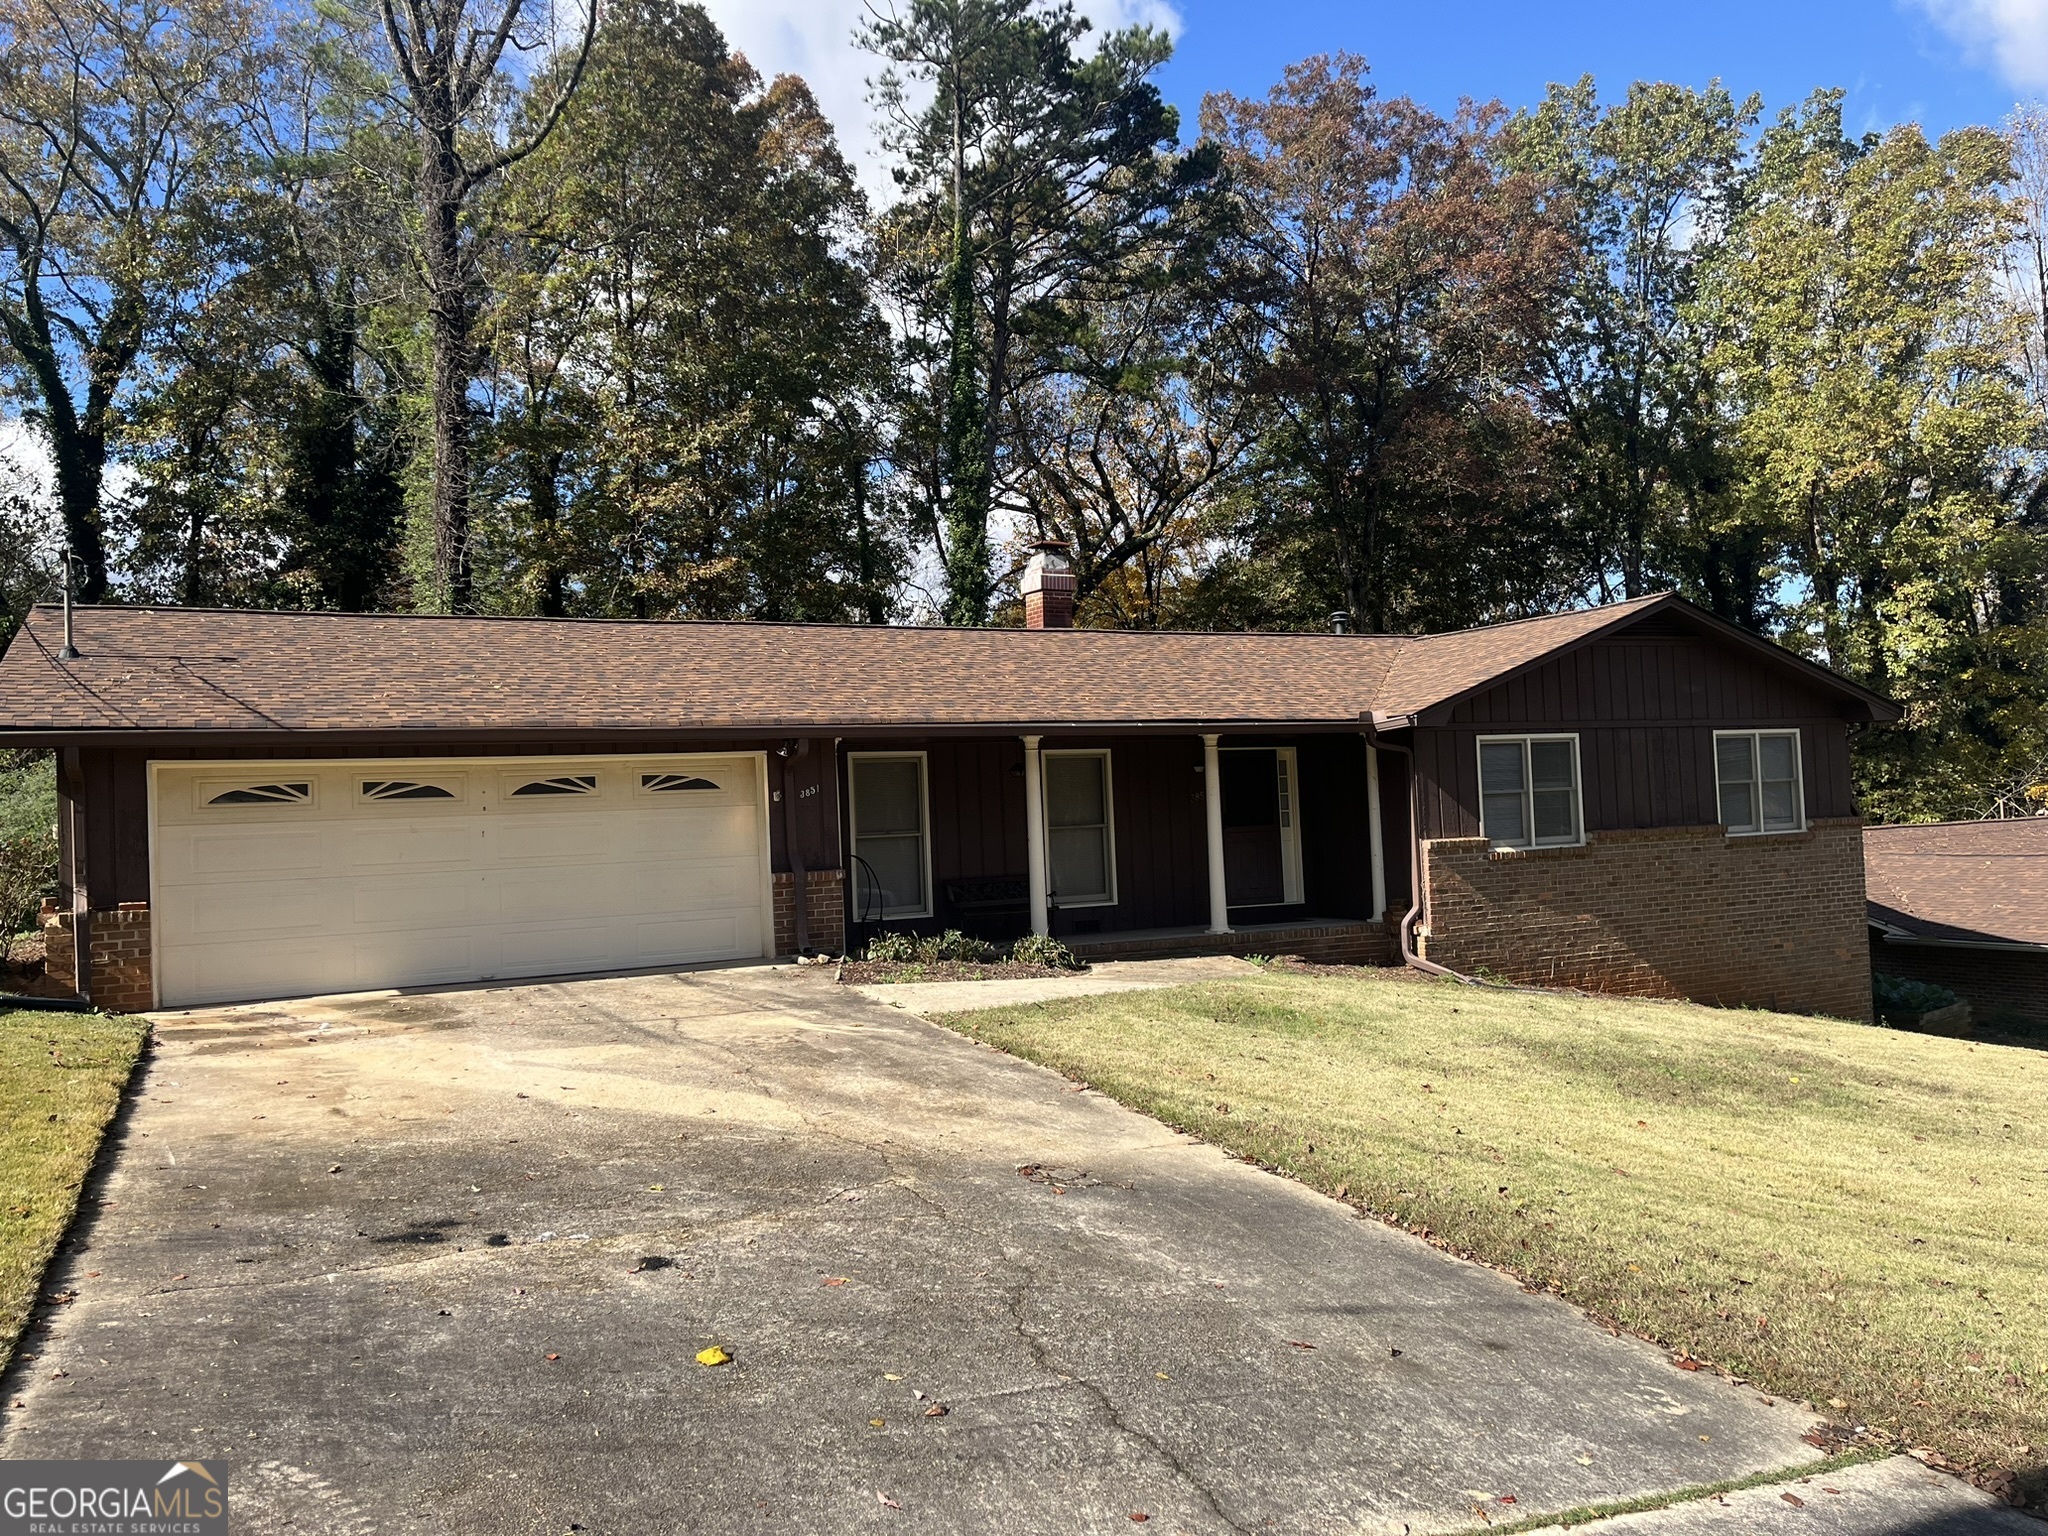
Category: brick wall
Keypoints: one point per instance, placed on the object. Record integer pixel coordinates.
(1773, 922)
(825, 912)
(121, 980)
(1323, 944)
(2001, 986)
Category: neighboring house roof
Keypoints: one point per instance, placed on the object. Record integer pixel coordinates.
(155, 671)
(1960, 882)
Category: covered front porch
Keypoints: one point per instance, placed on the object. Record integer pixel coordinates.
(1127, 846)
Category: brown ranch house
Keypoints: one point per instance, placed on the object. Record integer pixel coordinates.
(1637, 798)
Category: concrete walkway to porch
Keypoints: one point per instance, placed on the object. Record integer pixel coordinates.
(1326, 940)
(925, 998)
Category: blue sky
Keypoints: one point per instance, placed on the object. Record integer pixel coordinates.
(1937, 62)
(1896, 62)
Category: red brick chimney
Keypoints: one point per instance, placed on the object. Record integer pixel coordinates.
(1048, 586)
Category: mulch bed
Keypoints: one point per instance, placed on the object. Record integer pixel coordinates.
(21, 971)
(872, 973)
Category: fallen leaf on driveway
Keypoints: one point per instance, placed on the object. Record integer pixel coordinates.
(554, 1357)
(712, 1356)
(1794, 1500)
(1140, 1516)
(878, 1423)
(885, 1501)
(1299, 1345)
(835, 1280)
(1685, 1362)
(937, 1411)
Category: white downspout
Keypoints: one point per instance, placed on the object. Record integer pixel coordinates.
(1034, 836)
(1212, 795)
(1372, 815)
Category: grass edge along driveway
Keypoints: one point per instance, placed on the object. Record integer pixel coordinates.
(61, 1080)
(1840, 1213)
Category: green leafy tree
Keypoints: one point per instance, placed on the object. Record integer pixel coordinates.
(265, 441)
(686, 355)
(1028, 167)
(446, 58)
(1645, 188)
(1869, 360)
(120, 134)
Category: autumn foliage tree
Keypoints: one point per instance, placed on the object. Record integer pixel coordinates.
(1402, 279)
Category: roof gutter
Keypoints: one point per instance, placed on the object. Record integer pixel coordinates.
(47, 737)
(1927, 941)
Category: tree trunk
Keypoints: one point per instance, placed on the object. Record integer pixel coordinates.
(870, 580)
(79, 460)
(448, 304)
(966, 435)
(545, 492)
(78, 449)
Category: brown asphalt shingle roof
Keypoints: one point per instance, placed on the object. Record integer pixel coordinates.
(160, 670)
(1961, 880)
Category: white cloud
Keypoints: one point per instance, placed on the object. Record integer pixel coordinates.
(814, 38)
(2010, 34)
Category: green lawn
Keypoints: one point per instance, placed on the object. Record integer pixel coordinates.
(61, 1076)
(1837, 1212)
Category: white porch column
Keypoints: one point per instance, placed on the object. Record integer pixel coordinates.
(1034, 835)
(1212, 795)
(1372, 816)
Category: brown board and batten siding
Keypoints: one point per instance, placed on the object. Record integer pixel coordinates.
(1645, 707)
(116, 784)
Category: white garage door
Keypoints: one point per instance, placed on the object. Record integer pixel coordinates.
(277, 879)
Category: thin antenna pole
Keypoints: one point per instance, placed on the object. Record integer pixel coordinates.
(70, 651)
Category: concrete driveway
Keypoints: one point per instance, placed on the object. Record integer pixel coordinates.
(444, 1263)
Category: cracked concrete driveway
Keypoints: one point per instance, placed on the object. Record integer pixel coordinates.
(444, 1263)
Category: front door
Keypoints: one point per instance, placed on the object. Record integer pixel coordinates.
(1254, 873)
(1261, 827)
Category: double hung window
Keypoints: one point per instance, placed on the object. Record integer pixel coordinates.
(891, 836)
(1081, 846)
(1757, 776)
(1529, 791)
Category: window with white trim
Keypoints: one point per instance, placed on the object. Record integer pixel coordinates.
(1529, 791)
(1756, 776)
(891, 835)
(1080, 841)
